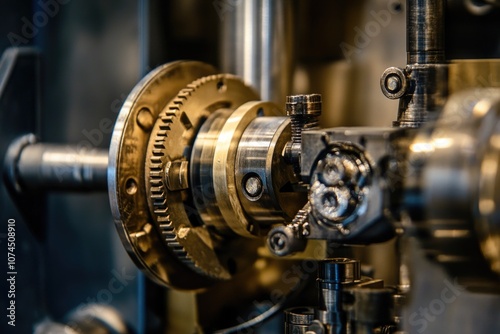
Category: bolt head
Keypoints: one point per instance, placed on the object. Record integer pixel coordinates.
(393, 83)
(253, 186)
(278, 241)
(145, 119)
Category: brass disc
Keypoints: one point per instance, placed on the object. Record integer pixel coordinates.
(126, 173)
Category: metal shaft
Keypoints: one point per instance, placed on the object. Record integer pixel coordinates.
(426, 71)
(256, 46)
(425, 31)
(62, 167)
(333, 277)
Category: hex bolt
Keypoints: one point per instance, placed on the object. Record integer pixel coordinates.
(393, 83)
(253, 186)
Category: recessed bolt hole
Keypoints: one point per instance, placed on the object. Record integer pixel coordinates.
(145, 119)
(221, 86)
(131, 186)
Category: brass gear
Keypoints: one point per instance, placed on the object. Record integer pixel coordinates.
(171, 140)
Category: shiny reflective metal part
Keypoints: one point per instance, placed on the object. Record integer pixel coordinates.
(451, 188)
(170, 142)
(286, 240)
(427, 96)
(425, 31)
(220, 171)
(173, 244)
(344, 167)
(422, 86)
(351, 181)
(298, 319)
(257, 45)
(334, 277)
(349, 302)
(61, 167)
(260, 156)
(304, 111)
(127, 178)
(338, 186)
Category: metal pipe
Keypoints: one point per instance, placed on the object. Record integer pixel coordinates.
(256, 45)
(425, 32)
(62, 167)
(425, 78)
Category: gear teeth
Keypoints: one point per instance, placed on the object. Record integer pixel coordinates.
(156, 172)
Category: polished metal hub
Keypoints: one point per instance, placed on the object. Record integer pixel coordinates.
(197, 176)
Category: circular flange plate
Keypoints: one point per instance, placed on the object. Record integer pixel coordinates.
(126, 173)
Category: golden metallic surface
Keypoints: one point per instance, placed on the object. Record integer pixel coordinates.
(224, 164)
(243, 271)
(126, 174)
(471, 73)
(172, 138)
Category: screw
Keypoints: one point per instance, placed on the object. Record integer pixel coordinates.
(393, 83)
(304, 111)
(278, 241)
(282, 241)
(253, 186)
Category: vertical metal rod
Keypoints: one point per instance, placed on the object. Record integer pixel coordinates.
(256, 46)
(426, 71)
(425, 32)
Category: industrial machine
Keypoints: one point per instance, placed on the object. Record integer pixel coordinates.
(242, 210)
